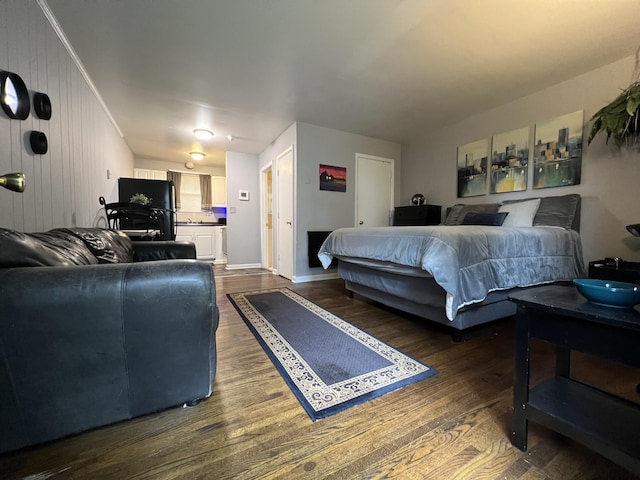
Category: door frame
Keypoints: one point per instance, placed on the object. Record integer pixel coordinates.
(264, 212)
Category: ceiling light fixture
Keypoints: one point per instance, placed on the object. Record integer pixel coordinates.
(231, 138)
(197, 155)
(203, 133)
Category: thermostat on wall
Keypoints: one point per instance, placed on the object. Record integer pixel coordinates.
(243, 195)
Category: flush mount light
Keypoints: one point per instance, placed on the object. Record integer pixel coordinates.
(197, 155)
(231, 138)
(203, 133)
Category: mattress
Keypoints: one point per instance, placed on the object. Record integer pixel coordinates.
(467, 261)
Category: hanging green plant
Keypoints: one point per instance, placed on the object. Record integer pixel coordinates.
(620, 119)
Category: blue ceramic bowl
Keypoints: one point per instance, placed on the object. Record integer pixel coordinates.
(607, 292)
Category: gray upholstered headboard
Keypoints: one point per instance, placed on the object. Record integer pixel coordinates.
(558, 211)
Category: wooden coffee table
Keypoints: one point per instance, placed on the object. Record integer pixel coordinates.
(603, 422)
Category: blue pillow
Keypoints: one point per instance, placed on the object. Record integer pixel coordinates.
(490, 219)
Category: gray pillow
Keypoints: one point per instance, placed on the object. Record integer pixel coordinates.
(562, 211)
(457, 213)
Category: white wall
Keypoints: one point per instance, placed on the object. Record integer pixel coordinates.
(243, 217)
(64, 184)
(610, 177)
(285, 140)
(324, 210)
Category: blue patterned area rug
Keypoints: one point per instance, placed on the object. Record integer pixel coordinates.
(329, 364)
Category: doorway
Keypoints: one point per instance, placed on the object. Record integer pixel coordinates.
(267, 217)
(374, 191)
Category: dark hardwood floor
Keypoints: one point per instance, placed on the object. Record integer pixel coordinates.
(452, 426)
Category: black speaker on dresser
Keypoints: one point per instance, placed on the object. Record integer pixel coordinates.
(417, 215)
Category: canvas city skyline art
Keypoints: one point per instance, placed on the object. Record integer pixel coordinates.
(510, 161)
(557, 151)
(472, 168)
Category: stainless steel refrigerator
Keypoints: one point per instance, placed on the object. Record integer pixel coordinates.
(162, 194)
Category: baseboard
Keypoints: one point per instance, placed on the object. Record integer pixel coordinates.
(244, 265)
(315, 278)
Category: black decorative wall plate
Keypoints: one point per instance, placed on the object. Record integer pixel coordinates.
(42, 105)
(38, 141)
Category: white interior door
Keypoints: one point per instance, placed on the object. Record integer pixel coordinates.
(285, 232)
(374, 191)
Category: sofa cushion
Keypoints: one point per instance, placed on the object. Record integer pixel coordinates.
(53, 248)
(107, 246)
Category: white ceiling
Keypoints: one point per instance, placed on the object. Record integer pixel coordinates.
(384, 68)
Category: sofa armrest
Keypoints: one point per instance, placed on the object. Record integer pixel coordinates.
(85, 346)
(163, 250)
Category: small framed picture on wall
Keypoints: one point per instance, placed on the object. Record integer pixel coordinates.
(333, 178)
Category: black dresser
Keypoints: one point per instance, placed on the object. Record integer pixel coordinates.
(417, 215)
(619, 271)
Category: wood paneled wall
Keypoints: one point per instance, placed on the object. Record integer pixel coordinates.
(64, 184)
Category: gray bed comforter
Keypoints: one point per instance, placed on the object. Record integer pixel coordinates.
(467, 261)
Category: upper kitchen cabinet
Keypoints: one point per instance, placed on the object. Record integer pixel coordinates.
(190, 186)
(219, 191)
(149, 174)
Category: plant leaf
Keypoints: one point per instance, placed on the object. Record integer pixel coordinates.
(632, 105)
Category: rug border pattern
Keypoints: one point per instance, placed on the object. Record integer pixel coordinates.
(318, 395)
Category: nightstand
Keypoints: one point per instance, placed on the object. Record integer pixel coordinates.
(620, 271)
(417, 215)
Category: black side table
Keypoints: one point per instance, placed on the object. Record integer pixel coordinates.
(603, 422)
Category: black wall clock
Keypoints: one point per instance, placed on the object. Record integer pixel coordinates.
(14, 96)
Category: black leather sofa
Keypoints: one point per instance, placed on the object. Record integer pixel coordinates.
(93, 332)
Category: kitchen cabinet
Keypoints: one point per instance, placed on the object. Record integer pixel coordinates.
(221, 244)
(202, 235)
(149, 174)
(218, 184)
(219, 191)
(209, 240)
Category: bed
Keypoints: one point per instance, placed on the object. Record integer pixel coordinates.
(461, 272)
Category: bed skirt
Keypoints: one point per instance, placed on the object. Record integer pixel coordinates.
(420, 295)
